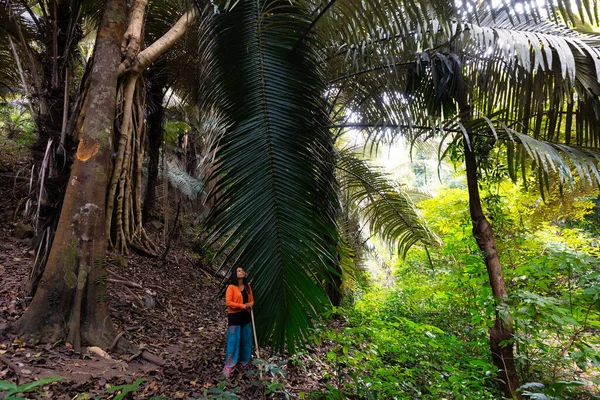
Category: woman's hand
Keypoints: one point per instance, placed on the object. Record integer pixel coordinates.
(247, 306)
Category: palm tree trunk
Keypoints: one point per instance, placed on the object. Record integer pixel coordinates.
(501, 334)
(71, 301)
(156, 114)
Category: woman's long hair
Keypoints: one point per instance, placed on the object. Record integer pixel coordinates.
(233, 280)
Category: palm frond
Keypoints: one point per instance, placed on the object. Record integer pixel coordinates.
(191, 187)
(540, 79)
(388, 210)
(273, 167)
(545, 156)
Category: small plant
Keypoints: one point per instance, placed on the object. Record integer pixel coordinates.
(126, 389)
(221, 393)
(555, 391)
(271, 377)
(12, 391)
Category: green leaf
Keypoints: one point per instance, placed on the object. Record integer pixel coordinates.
(6, 385)
(274, 174)
(388, 210)
(126, 389)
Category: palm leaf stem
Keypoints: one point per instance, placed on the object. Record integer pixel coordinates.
(313, 23)
(366, 71)
(389, 126)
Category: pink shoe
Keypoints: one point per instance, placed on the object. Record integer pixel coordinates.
(227, 371)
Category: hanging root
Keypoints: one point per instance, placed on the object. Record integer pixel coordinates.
(124, 202)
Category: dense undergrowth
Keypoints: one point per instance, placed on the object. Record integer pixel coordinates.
(422, 331)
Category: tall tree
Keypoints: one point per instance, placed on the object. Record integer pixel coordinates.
(71, 299)
(514, 94)
(44, 44)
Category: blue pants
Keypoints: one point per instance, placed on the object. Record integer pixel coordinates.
(239, 345)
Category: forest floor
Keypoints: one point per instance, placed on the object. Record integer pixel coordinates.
(175, 309)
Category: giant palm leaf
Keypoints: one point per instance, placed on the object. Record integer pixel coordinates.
(274, 166)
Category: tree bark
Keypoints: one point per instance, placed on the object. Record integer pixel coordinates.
(57, 38)
(71, 301)
(501, 334)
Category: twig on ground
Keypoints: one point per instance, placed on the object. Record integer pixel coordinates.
(159, 288)
(137, 354)
(115, 341)
(113, 273)
(126, 283)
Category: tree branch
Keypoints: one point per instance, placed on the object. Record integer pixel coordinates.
(132, 39)
(151, 53)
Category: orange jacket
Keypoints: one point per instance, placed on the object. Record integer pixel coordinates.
(234, 299)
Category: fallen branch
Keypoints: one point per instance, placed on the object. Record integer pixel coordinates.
(113, 273)
(139, 352)
(143, 250)
(154, 359)
(126, 283)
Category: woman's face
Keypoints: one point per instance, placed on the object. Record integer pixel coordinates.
(240, 272)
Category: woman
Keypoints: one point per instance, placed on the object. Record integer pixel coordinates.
(239, 302)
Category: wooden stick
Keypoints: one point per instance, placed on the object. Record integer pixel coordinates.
(256, 342)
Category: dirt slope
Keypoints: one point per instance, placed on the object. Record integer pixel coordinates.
(174, 309)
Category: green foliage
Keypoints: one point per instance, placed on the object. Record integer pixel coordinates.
(561, 390)
(173, 130)
(221, 392)
(550, 265)
(389, 211)
(191, 187)
(384, 353)
(16, 124)
(270, 377)
(124, 390)
(12, 391)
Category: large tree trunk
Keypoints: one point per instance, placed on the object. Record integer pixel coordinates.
(501, 334)
(71, 301)
(59, 35)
